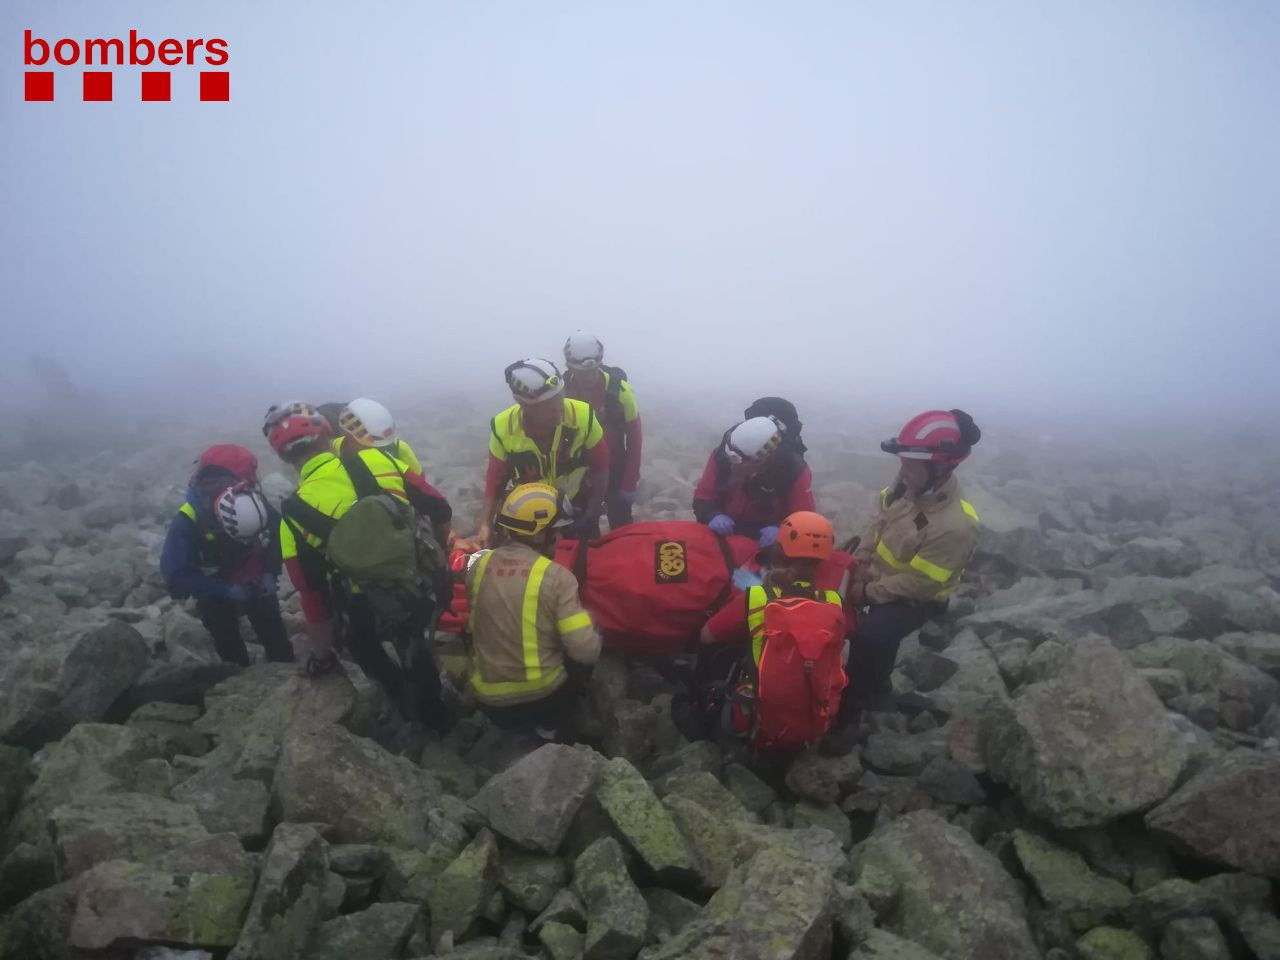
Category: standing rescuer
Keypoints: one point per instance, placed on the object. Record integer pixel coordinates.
(912, 557)
(610, 395)
(545, 436)
(367, 423)
(532, 641)
(326, 491)
(222, 549)
(752, 480)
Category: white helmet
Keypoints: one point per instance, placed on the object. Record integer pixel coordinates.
(753, 441)
(534, 380)
(583, 351)
(242, 513)
(368, 423)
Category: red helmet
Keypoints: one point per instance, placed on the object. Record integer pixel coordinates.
(287, 434)
(943, 436)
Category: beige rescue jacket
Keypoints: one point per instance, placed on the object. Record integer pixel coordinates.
(525, 620)
(916, 549)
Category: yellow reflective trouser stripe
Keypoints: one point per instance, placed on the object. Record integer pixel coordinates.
(971, 513)
(930, 570)
(188, 511)
(579, 621)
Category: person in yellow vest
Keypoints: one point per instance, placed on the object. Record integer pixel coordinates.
(367, 423)
(547, 437)
(911, 558)
(532, 643)
(326, 491)
(611, 396)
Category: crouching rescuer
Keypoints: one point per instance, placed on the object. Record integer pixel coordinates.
(912, 557)
(360, 539)
(533, 644)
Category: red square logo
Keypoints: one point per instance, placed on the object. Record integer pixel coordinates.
(97, 85)
(39, 85)
(215, 85)
(155, 84)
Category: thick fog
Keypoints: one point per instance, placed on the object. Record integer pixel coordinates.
(1062, 213)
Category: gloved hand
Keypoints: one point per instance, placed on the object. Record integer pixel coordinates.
(768, 537)
(627, 496)
(239, 592)
(744, 579)
(267, 585)
(722, 524)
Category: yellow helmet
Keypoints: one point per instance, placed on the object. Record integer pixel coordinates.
(530, 509)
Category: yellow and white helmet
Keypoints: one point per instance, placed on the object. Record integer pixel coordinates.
(532, 508)
(368, 423)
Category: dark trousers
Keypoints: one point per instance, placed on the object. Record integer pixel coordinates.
(414, 688)
(617, 510)
(553, 711)
(222, 619)
(875, 650)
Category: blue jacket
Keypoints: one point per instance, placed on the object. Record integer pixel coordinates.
(199, 560)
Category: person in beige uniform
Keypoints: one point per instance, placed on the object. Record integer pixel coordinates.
(911, 558)
(533, 645)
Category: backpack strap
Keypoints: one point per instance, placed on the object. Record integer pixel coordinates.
(304, 519)
(727, 555)
(361, 476)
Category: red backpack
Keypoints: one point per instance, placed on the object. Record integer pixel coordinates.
(800, 676)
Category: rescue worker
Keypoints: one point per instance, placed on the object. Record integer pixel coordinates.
(367, 423)
(752, 481)
(548, 437)
(784, 411)
(911, 558)
(301, 438)
(533, 644)
(614, 402)
(805, 542)
(222, 549)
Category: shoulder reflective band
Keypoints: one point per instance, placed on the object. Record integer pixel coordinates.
(971, 513)
(579, 621)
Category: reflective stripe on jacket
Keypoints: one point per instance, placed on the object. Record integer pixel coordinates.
(916, 549)
(758, 598)
(525, 620)
(323, 483)
(565, 463)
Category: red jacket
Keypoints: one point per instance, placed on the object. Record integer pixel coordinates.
(763, 501)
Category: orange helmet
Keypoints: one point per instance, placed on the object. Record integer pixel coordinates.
(806, 535)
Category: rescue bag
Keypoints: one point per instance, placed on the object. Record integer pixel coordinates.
(382, 546)
(650, 587)
(800, 676)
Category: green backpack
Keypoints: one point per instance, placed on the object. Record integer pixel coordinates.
(382, 546)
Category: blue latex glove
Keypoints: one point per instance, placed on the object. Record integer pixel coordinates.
(744, 579)
(627, 496)
(768, 537)
(239, 592)
(266, 586)
(722, 524)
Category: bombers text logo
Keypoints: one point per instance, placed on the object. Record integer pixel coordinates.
(133, 51)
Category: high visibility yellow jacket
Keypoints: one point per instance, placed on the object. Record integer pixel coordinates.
(525, 620)
(575, 447)
(759, 597)
(399, 449)
(916, 549)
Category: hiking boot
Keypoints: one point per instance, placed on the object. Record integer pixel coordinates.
(692, 717)
(316, 667)
(840, 741)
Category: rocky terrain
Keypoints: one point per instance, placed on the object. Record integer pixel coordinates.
(1082, 761)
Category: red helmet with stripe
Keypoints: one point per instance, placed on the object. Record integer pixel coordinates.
(291, 432)
(942, 436)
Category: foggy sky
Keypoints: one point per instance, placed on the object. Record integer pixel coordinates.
(1058, 209)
